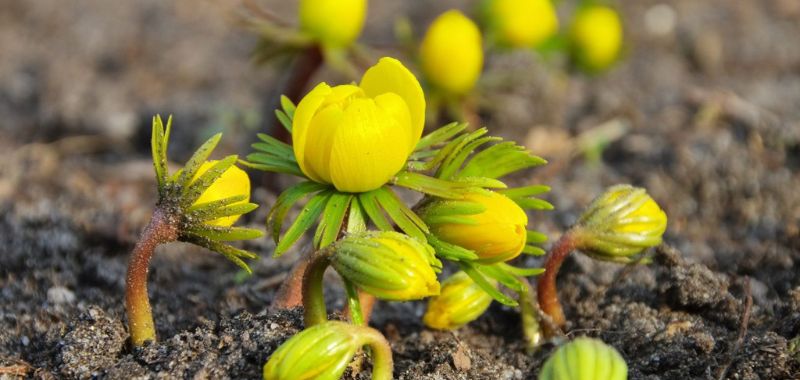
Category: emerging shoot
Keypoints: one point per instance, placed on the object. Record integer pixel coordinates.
(585, 358)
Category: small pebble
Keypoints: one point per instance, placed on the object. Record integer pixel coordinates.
(25, 340)
(60, 295)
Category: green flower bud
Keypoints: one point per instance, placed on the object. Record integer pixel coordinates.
(389, 265)
(585, 358)
(460, 302)
(324, 351)
(621, 222)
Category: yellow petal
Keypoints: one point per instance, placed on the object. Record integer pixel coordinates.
(334, 23)
(232, 182)
(368, 149)
(389, 75)
(320, 141)
(303, 115)
(451, 53)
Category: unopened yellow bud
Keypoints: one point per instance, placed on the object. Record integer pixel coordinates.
(460, 302)
(621, 222)
(389, 265)
(585, 358)
(522, 23)
(596, 37)
(451, 53)
(233, 182)
(334, 23)
(358, 137)
(495, 234)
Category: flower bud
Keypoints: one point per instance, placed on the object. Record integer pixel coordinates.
(231, 183)
(522, 23)
(596, 37)
(461, 301)
(585, 358)
(621, 222)
(389, 265)
(495, 234)
(358, 137)
(451, 53)
(319, 352)
(334, 23)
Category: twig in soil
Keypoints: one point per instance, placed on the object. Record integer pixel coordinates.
(20, 369)
(748, 306)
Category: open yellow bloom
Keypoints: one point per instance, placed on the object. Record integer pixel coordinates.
(231, 183)
(358, 137)
(461, 301)
(596, 37)
(451, 53)
(496, 234)
(334, 23)
(522, 23)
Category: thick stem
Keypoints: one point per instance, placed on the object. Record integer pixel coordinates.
(382, 365)
(314, 310)
(546, 289)
(161, 229)
(290, 293)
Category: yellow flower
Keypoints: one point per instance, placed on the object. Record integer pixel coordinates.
(496, 234)
(585, 358)
(334, 23)
(388, 265)
(596, 37)
(522, 23)
(451, 53)
(358, 137)
(621, 222)
(231, 183)
(461, 301)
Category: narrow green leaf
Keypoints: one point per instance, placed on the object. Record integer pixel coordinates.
(402, 216)
(523, 272)
(500, 160)
(222, 212)
(440, 135)
(196, 188)
(332, 219)
(284, 203)
(507, 279)
(156, 146)
(288, 106)
(481, 182)
(198, 158)
(219, 233)
(525, 191)
(369, 203)
(307, 217)
(535, 237)
(533, 203)
(533, 250)
(450, 167)
(432, 186)
(487, 287)
(275, 167)
(356, 220)
(285, 120)
(213, 205)
(231, 253)
(449, 251)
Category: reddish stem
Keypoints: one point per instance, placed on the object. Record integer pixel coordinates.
(290, 293)
(161, 229)
(546, 291)
(303, 68)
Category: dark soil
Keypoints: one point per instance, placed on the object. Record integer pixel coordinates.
(709, 113)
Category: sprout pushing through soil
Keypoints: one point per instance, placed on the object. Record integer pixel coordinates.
(198, 204)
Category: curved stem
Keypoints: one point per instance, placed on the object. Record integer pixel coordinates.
(161, 229)
(529, 316)
(290, 293)
(547, 292)
(314, 310)
(382, 365)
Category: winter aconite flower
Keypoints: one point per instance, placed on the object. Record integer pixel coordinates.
(233, 182)
(521, 23)
(334, 23)
(461, 301)
(451, 53)
(596, 37)
(324, 351)
(358, 137)
(585, 358)
(621, 222)
(495, 234)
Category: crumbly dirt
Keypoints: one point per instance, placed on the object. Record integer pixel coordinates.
(704, 112)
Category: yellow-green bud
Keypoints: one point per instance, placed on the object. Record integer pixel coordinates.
(451, 53)
(232, 182)
(495, 234)
(460, 302)
(621, 222)
(334, 23)
(323, 352)
(389, 265)
(596, 37)
(585, 358)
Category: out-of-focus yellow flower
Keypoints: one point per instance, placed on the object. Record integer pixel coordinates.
(334, 23)
(522, 23)
(621, 222)
(451, 53)
(585, 358)
(231, 183)
(461, 301)
(389, 265)
(596, 37)
(496, 234)
(358, 137)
